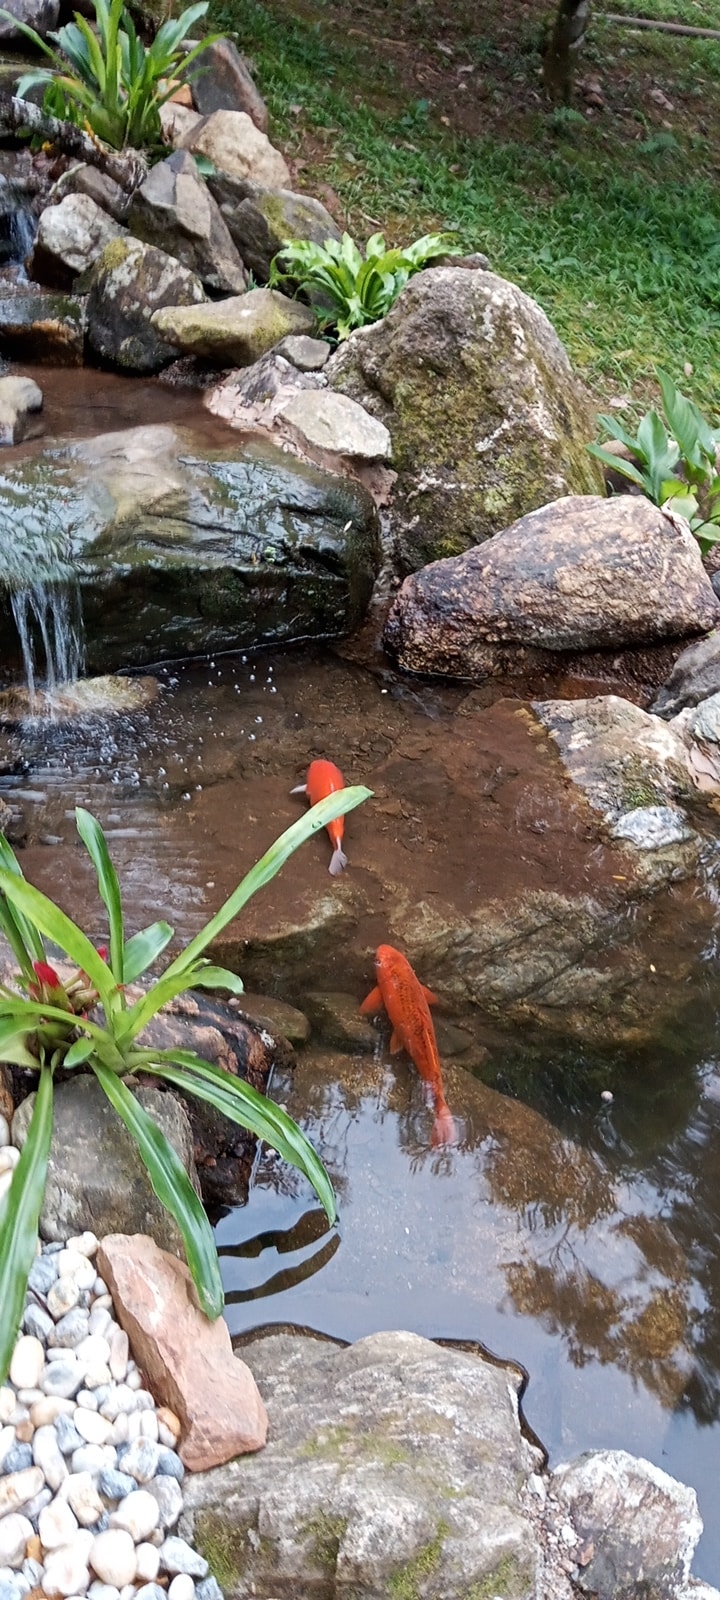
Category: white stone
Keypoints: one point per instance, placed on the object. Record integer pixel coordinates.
(149, 1425)
(6, 1179)
(4, 1133)
(18, 1488)
(9, 1157)
(100, 1322)
(103, 1303)
(7, 1440)
(119, 1354)
(112, 1557)
(27, 1397)
(47, 1409)
(64, 1294)
(33, 1507)
(138, 1513)
(134, 1378)
(121, 1431)
(92, 1427)
(176, 1555)
(182, 1588)
(72, 1264)
(57, 1525)
(93, 1458)
(27, 1363)
(333, 422)
(15, 1531)
(48, 1456)
(85, 1244)
(81, 1493)
(66, 1571)
(93, 1350)
(103, 1591)
(147, 1557)
(8, 1404)
(169, 1497)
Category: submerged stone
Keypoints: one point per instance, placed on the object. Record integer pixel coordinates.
(36, 325)
(85, 697)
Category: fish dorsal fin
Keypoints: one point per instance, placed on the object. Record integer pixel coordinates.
(300, 788)
(431, 998)
(395, 1043)
(372, 1003)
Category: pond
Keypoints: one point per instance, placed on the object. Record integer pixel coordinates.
(574, 1234)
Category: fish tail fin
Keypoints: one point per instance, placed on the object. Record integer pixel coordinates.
(300, 788)
(338, 862)
(444, 1130)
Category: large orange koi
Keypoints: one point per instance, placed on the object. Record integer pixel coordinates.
(407, 1003)
(325, 778)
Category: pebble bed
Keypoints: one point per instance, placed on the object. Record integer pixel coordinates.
(90, 1479)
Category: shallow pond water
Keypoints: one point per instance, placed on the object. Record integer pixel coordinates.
(576, 1236)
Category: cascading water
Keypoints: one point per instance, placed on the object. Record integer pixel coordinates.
(49, 613)
(18, 224)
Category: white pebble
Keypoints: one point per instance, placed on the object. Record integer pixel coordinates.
(8, 1404)
(138, 1513)
(100, 1322)
(66, 1571)
(4, 1133)
(27, 1363)
(64, 1294)
(103, 1591)
(167, 1436)
(6, 1179)
(112, 1557)
(119, 1354)
(121, 1429)
(176, 1555)
(119, 1399)
(57, 1525)
(182, 1588)
(86, 1244)
(149, 1425)
(98, 1376)
(87, 1400)
(18, 1488)
(147, 1559)
(103, 1302)
(127, 1592)
(33, 1507)
(15, 1531)
(80, 1493)
(7, 1440)
(92, 1350)
(71, 1264)
(134, 1378)
(47, 1409)
(92, 1427)
(27, 1397)
(100, 1288)
(9, 1158)
(48, 1456)
(93, 1458)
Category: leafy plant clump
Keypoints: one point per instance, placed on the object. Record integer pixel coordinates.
(90, 1021)
(676, 468)
(358, 291)
(116, 85)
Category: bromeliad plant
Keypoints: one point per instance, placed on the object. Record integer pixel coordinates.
(106, 79)
(358, 290)
(89, 1021)
(677, 469)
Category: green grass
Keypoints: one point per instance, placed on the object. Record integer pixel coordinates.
(613, 225)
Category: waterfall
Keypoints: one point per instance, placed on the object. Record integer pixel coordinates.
(50, 613)
(18, 223)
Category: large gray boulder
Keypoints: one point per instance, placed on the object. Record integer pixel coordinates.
(96, 1179)
(234, 332)
(486, 417)
(129, 282)
(70, 237)
(392, 1467)
(174, 210)
(262, 220)
(234, 144)
(579, 574)
(42, 15)
(637, 1527)
(221, 81)
(181, 551)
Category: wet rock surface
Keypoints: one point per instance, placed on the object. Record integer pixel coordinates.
(694, 677)
(130, 281)
(70, 237)
(234, 332)
(37, 325)
(579, 574)
(485, 417)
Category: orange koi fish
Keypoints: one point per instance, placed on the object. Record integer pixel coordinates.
(407, 1003)
(325, 778)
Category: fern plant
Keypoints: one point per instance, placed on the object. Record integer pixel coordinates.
(358, 289)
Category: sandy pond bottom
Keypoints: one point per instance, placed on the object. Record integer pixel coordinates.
(595, 1264)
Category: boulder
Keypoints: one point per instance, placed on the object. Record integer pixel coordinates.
(70, 237)
(637, 1527)
(579, 574)
(262, 220)
(96, 1178)
(39, 326)
(221, 81)
(231, 140)
(180, 551)
(322, 420)
(305, 353)
(128, 283)
(82, 179)
(343, 1498)
(695, 676)
(173, 210)
(20, 403)
(233, 332)
(42, 15)
(187, 1360)
(176, 121)
(486, 418)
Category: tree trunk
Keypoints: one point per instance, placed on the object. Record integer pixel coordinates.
(566, 40)
(127, 167)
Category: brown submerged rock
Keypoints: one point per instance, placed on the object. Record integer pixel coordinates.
(579, 574)
(187, 1360)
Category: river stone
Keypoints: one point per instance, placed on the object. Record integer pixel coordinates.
(85, 697)
(70, 237)
(308, 355)
(82, 179)
(579, 574)
(42, 15)
(236, 146)
(234, 332)
(694, 677)
(486, 418)
(180, 550)
(96, 1178)
(262, 220)
(174, 210)
(322, 420)
(221, 81)
(130, 281)
(36, 325)
(20, 401)
(370, 1479)
(638, 1526)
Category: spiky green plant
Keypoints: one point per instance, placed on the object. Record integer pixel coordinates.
(358, 290)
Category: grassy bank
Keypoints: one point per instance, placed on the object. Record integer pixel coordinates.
(609, 216)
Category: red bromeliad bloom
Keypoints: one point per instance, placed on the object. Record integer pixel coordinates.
(46, 974)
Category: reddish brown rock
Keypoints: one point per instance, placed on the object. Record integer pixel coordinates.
(188, 1361)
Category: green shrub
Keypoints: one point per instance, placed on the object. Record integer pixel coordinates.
(357, 290)
(117, 84)
(89, 1021)
(675, 468)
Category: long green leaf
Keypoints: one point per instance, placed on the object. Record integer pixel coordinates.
(618, 464)
(95, 843)
(173, 1189)
(240, 1103)
(53, 922)
(19, 1216)
(28, 933)
(144, 948)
